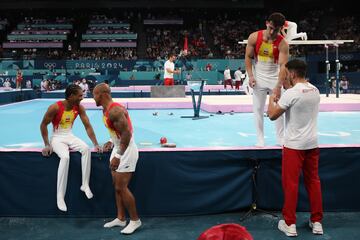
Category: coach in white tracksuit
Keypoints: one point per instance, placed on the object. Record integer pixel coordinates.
(62, 114)
(266, 51)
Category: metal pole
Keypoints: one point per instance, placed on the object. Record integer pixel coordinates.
(327, 64)
(194, 102)
(337, 70)
(199, 99)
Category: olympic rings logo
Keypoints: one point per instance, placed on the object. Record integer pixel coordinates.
(49, 65)
(346, 57)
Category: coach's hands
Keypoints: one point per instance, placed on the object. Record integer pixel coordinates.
(276, 93)
(47, 151)
(98, 148)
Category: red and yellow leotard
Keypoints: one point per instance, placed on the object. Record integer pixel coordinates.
(64, 120)
(267, 58)
(115, 134)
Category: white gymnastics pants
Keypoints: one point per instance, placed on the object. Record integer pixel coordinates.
(61, 144)
(291, 32)
(259, 101)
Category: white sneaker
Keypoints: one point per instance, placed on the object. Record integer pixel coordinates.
(115, 223)
(87, 191)
(289, 231)
(316, 228)
(61, 204)
(131, 227)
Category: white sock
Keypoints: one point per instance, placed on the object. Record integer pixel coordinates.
(131, 227)
(87, 191)
(61, 204)
(115, 223)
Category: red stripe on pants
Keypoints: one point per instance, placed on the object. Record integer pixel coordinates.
(237, 85)
(168, 81)
(228, 82)
(293, 161)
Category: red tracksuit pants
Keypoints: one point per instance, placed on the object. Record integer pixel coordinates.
(293, 161)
